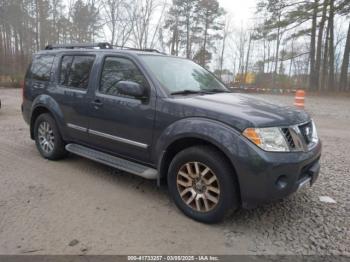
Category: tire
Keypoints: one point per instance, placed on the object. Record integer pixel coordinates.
(223, 188)
(48, 139)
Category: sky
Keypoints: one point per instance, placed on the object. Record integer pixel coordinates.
(242, 10)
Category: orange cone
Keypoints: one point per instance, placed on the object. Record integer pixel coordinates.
(299, 99)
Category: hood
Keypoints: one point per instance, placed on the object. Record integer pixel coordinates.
(242, 111)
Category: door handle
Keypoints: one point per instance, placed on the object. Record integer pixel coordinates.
(97, 103)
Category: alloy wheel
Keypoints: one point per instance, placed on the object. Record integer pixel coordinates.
(46, 137)
(198, 186)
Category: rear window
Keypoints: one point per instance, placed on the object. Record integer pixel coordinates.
(75, 71)
(41, 67)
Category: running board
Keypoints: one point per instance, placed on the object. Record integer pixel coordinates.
(116, 162)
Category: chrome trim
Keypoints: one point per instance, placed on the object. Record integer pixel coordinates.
(304, 182)
(297, 138)
(79, 128)
(119, 139)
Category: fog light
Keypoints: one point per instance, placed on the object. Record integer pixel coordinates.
(281, 182)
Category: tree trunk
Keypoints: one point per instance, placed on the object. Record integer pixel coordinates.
(345, 64)
(37, 25)
(188, 51)
(205, 42)
(172, 44)
(313, 45)
(247, 59)
(325, 61)
(277, 53)
(264, 57)
(331, 84)
(222, 52)
(291, 60)
(319, 46)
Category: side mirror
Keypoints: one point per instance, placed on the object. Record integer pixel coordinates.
(130, 88)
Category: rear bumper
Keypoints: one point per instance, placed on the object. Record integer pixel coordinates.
(268, 176)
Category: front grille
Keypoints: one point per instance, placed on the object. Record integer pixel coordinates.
(288, 137)
(299, 137)
(306, 132)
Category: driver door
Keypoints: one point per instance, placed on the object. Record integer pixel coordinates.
(120, 124)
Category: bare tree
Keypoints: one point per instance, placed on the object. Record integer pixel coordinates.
(225, 33)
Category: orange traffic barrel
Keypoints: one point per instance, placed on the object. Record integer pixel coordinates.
(299, 98)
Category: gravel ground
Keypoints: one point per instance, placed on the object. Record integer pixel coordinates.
(76, 206)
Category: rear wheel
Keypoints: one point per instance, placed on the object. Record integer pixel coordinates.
(48, 138)
(202, 184)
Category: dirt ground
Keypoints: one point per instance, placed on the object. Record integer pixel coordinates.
(77, 206)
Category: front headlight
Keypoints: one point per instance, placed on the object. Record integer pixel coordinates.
(268, 139)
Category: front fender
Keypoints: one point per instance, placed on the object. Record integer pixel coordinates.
(219, 134)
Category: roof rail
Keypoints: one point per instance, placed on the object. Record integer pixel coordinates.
(139, 49)
(103, 45)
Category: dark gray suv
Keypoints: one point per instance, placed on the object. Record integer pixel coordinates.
(166, 118)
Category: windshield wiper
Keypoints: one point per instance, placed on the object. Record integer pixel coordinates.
(187, 92)
(217, 90)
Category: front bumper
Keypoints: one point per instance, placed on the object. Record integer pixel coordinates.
(268, 176)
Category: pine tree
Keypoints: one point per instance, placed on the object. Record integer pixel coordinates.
(210, 15)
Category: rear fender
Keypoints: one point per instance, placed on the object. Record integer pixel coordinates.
(47, 102)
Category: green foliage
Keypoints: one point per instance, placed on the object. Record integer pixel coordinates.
(85, 19)
(202, 57)
(194, 25)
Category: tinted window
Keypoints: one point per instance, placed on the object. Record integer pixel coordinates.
(65, 67)
(41, 67)
(75, 71)
(119, 69)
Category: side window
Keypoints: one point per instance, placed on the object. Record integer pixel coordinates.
(41, 67)
(65, 67)
(75, 71)
(117, 69)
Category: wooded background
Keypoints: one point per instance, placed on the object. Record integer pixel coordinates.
(285, 44)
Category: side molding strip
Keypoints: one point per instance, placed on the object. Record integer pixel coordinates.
(108, 136)
(79, 128)
(117, 138)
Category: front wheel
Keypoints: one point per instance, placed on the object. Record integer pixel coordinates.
(202, 184)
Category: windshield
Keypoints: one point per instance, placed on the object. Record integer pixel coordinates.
(178, 74)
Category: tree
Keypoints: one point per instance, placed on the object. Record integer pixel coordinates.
(345, 64)
(182, 22)
(316, 85)
(119, 21)
(344, 9)
(331, 82)
(225, 33)
(313, 44)
(85, 18)
(142, 15)
(202, 56)
(209, 15)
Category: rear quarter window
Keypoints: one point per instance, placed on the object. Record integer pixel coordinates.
(41, 67)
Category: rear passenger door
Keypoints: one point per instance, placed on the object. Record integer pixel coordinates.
(120, 124)
(73, 80)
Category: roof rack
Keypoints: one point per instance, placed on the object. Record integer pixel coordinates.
(103, 45)
(139, 49)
